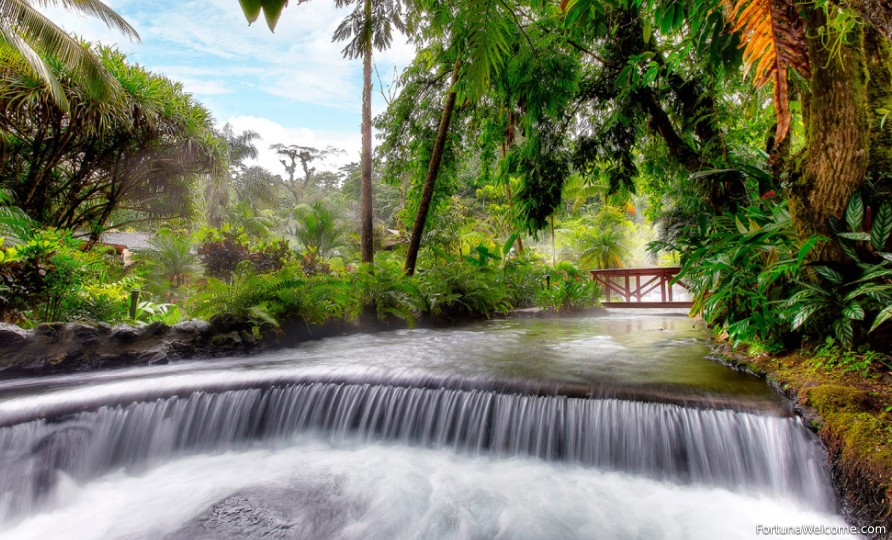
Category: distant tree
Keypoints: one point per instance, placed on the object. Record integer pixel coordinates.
(304, 156)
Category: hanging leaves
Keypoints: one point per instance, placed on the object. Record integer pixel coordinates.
(272, 10)
(773, 38)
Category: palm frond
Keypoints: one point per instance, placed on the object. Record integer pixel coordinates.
(773, 37)
(30, 33)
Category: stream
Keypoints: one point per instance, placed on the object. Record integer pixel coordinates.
(614, 426)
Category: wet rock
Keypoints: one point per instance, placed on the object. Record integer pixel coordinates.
(83, 334)
(155, 329)
(318, 511)
(12, 335)
(192, 327)
(124, 333)
(230, 323)
(52, 332)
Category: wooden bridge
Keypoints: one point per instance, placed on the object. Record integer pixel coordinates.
(632, 285)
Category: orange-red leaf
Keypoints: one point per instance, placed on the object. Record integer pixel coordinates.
(773, 38)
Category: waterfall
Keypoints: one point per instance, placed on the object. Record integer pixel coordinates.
(726, 448)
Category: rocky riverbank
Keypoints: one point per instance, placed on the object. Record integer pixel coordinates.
(66, 347)
(853, 416)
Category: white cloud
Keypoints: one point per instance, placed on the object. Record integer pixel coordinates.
(273, 133)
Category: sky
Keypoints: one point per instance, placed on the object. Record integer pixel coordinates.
(292, 86)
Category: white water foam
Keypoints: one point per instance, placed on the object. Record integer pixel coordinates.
(313, 489)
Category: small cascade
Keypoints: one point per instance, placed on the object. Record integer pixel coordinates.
(725, 448)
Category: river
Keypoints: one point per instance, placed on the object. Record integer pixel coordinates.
(605, 426)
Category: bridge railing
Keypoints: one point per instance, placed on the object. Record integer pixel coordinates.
(631, 287)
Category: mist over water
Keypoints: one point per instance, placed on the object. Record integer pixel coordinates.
(597, 427)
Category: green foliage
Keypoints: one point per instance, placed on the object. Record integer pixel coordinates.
(51, 278)
(385, 289)
(830, 355)
(457, 290)
(852, 299)
(568, 289)
(222, 251)
(317, 232)
(75, 168)
(170, 257)
(734, 268)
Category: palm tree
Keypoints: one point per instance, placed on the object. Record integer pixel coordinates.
(370, 26)
(606, 248)
(317, 231)
(171, 256)
(27, 36)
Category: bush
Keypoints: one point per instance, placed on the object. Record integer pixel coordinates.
(568, 290)
(47, 278)
(223, 250)
(733, 265)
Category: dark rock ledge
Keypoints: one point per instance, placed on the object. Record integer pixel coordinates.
(65, 347)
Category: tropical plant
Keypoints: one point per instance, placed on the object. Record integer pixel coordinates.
(222, 250)
(76, 169)
(568, 289)
(15, 225)
(171, 256)
(317, 232)
(739, 269)
(852, 299)
(28, 38)
(774, 38)
(46, 277)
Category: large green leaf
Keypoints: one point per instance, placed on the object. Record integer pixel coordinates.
(506, 247)
(842, 330)
(855, 212)
(803, 314)
(861, 236)
(251, 9)
(828, 273)
(272, 10)
(882, 317)
(807, 246)
(854, 311)
(882, 226)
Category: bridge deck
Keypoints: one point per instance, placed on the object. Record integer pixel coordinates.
(633, 285)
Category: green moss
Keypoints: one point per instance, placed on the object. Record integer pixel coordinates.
(829, 399)
(851, 416)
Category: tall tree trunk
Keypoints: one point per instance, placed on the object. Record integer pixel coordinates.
(430, 180)
(878, 57)
(366, 231)
(834, 164)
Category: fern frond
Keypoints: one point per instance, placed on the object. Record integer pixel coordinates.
(773, 37)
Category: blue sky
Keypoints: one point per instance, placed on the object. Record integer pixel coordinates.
(292, 87)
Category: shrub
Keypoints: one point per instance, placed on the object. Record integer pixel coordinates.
(568, 290)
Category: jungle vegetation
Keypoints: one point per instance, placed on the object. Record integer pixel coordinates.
(747, 141)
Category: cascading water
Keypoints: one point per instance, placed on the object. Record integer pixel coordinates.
(289, 446)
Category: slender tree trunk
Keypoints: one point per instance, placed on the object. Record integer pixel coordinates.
(834, 165)
(519, 241)
(366, 231)
(430, 180)
(553, 248)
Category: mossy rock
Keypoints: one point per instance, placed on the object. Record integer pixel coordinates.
(831, 399)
